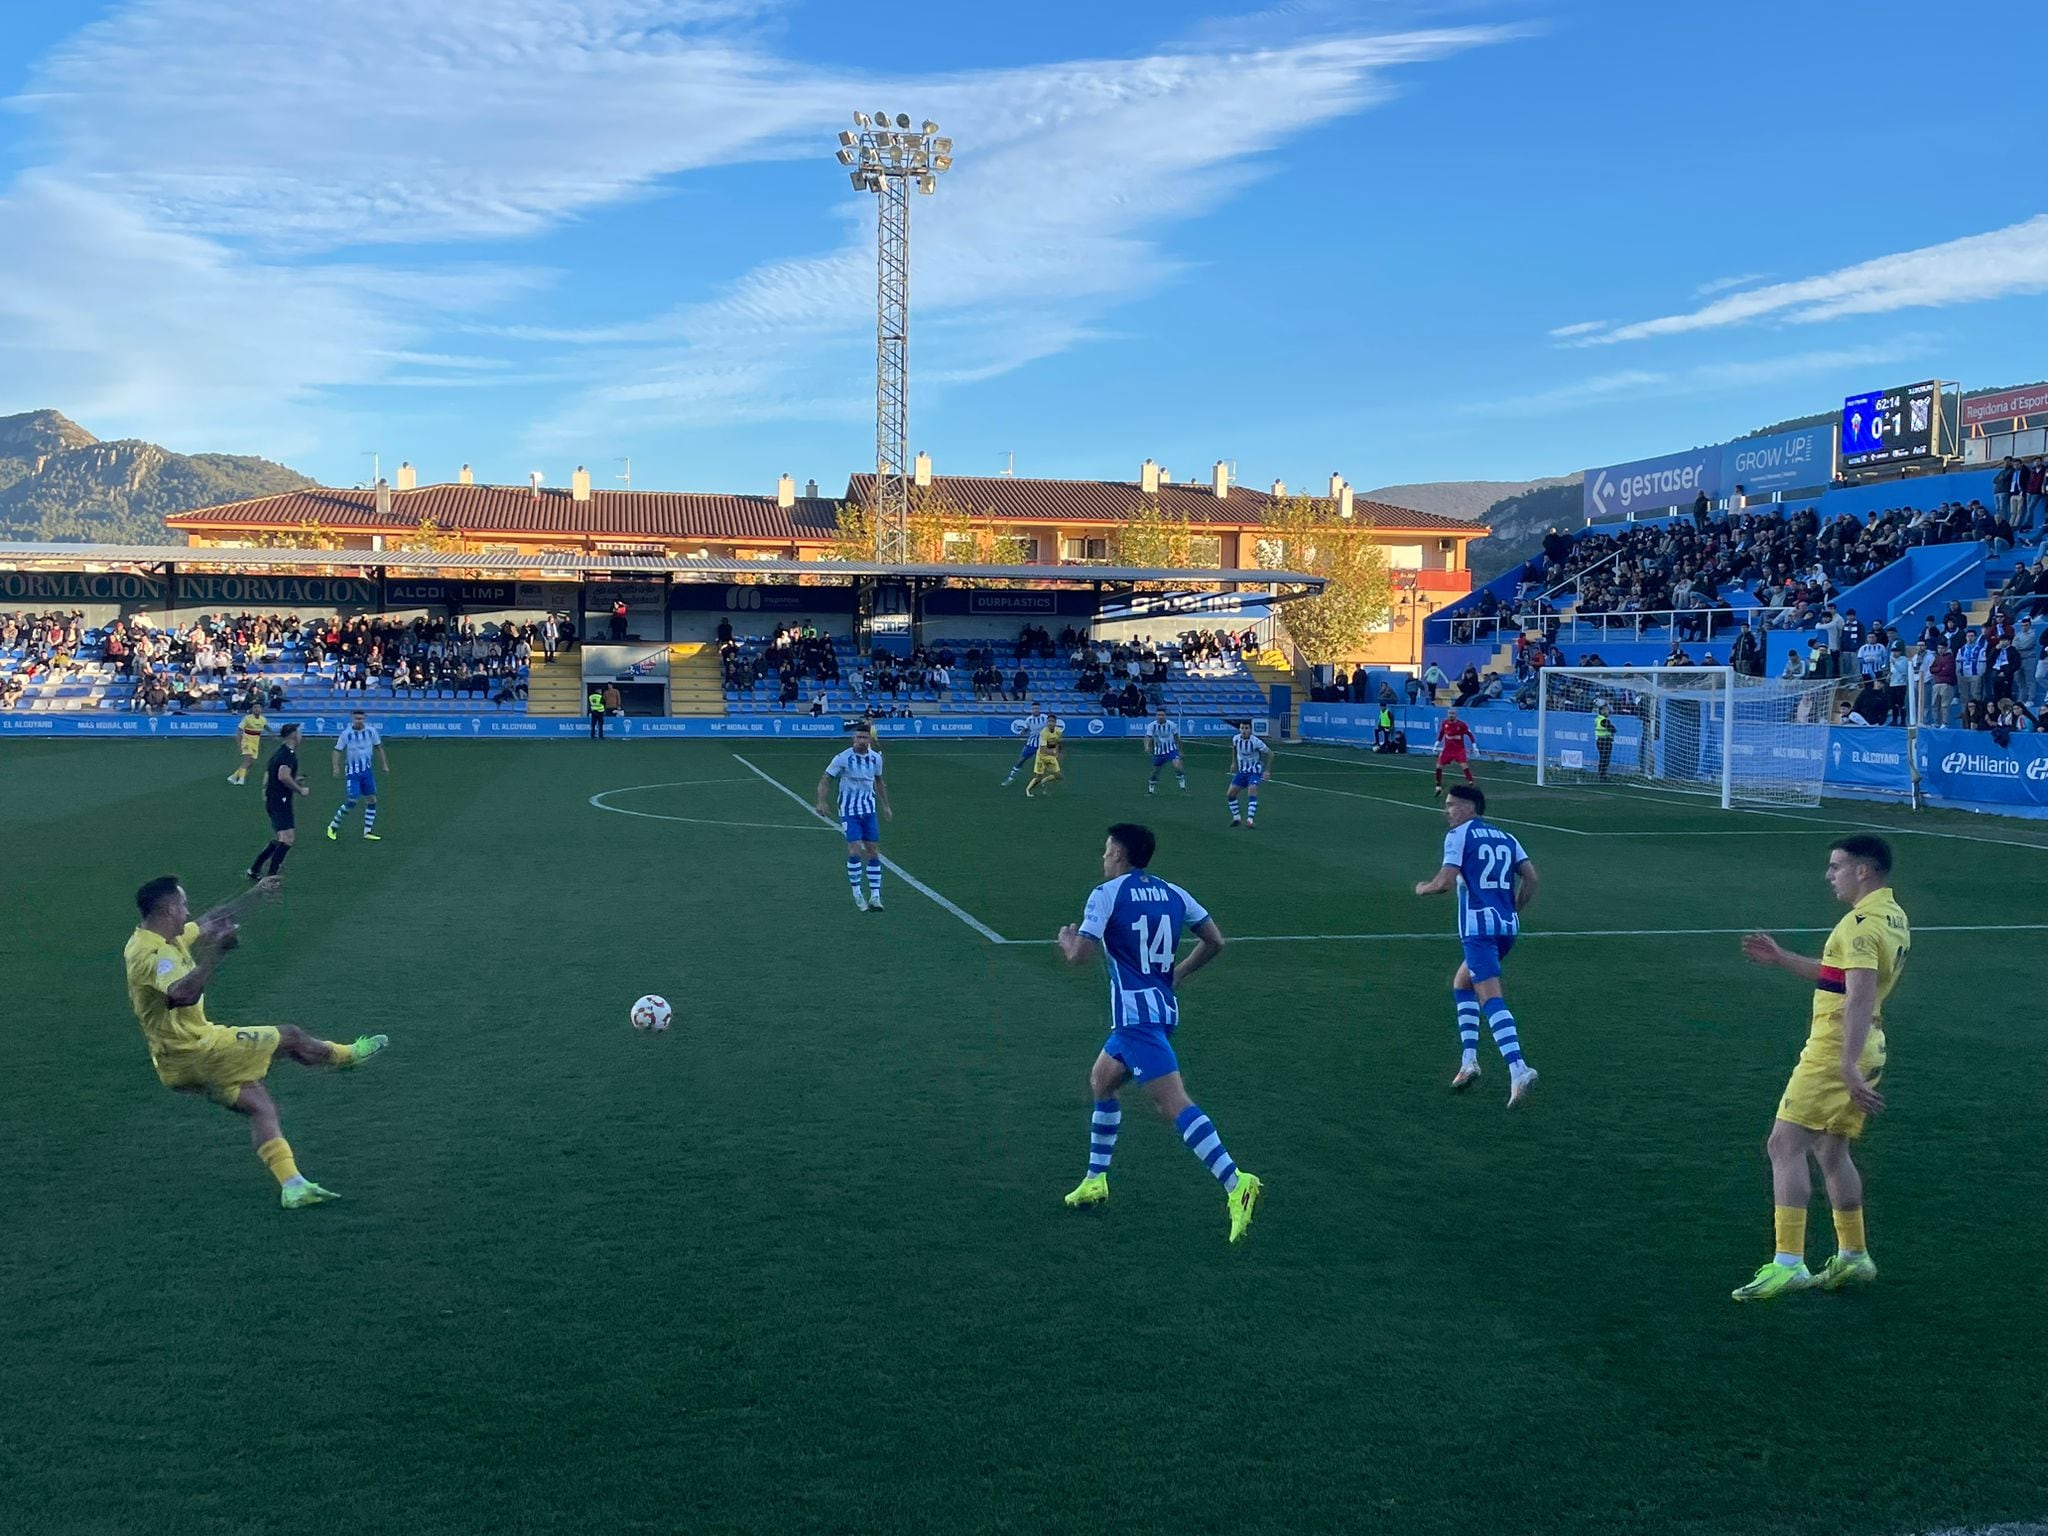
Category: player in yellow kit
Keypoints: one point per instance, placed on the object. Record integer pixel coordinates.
(1834, 1088)
(249, 738)
(170, 959)
(1045, 768)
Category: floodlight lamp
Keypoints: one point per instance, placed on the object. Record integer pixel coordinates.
(881, 119)
(942, 163)
(942, 146)
(860, 120)
(845, 157)
(927, 184)
(930, 126)
(860, 181)
(845, 136)
(902, 119)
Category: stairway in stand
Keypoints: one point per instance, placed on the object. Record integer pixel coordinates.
(557, 689)
(1270, 668)
(696, 680)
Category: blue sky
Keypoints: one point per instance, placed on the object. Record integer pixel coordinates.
(1404, 241)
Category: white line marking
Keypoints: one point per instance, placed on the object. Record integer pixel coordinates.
(1445, 936)
(887, 863)
(1433, 810)
(599, 799)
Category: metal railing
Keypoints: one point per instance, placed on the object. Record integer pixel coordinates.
(1696, 625)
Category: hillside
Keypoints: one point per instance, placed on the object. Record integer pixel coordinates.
(60, 483)
(1519, 523)
(1465, 499)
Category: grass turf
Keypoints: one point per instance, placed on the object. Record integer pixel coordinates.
(801, 1265)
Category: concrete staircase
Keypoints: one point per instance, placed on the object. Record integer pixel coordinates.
(557, 689)
(1269, 668)
(696, 680)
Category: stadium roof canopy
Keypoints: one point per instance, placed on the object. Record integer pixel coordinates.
(577, 566)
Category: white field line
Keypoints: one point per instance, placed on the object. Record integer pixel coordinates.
(1444, 936)
(1818, 822)
(888, 863)
(1434, 810)
(601, 800)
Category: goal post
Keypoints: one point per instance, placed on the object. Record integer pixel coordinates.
(1694, 730)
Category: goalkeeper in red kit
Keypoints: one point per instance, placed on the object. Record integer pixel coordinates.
(1453, 742)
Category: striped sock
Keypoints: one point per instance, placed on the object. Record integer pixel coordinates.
(369, 818)
(1468, 1021)
(874, 877)
(1233, 808)
(1251, 808)
(341, 811)
(1502, 1023)
(1109, 1117)
(1200, 1134)
(853, 874)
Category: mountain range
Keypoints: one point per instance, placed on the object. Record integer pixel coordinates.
(60, 484)
(1519, 512)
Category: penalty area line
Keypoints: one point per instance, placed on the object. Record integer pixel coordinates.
(1439, 935)
(888, 863)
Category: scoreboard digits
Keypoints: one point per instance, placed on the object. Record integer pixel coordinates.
(1889, 426)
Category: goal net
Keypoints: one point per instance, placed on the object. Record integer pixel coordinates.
(1701, 730)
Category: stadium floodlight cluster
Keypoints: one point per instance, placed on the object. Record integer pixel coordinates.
(887, 157)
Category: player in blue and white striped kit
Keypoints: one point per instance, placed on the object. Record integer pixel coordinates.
(1248, 758)
(1135, 921)
(1034, 727)
(361, 747)
(1495, 882)
(863, 807)
(1162, 740)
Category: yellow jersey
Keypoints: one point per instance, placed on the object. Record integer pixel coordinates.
(155, 963)
(252, 728)
(1049, 740)
(1872, 937)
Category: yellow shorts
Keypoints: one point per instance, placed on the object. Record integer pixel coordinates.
(1046, 767)
(249, 749)
(1817, 1098)
(220, 1064)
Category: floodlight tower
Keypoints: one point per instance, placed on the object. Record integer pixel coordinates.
(888, 161)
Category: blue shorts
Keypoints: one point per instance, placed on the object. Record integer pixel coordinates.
(1030, 751)
(862, 826)
(362, 785)
(1245, 780)
(1484, 953)
(1160, 759)
(1146, 1052)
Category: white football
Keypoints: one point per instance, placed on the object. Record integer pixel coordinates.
(652, 1013)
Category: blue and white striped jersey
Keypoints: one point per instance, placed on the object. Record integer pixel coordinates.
(1485, 858)
(856, 773)
(1248, 754)
(1138, 920)
(1034, 727)
(358, 748)
(1163, 737)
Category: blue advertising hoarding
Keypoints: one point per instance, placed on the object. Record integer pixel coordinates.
(1780, 461)
(1971, 768)
(1651, 485)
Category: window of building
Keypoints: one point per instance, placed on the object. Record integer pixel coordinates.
(1081, 550)
(1205, 550)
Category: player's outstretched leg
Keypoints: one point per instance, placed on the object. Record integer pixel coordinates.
(295, 1190)
(1240, 1189)
(1851, 1263)
(340, 815)
(1521, 1076)
(1791, 1190)
(1103, 1125)
(1467, 1002)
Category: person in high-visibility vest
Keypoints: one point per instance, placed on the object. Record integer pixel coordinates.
(1603, 736)
(596, 702)
(1383, 732)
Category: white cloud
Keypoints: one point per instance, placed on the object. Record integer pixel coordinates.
(1724, 284)
(1999, 264)
(1703, 379)
(383, 126)
(1582, 328)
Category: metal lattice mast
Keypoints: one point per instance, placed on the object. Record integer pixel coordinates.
(888, 161)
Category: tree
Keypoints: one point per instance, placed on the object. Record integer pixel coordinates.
(308, 533)
(940, 533)
(1153, 540)
(1307, 535)
(430, 538)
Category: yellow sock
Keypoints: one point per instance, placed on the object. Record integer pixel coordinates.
(344, 1055)
(1849, 1231)
(277, 1157)
(1790, 1221)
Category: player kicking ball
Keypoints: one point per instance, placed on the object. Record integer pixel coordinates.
(1495, 882)
(863, 806)
(1833, 1090)
(1453, 741)
(1135, 922)
(170, 960)
(361, 747)
(1047, 768)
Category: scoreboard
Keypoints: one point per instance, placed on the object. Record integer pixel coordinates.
(1891, 426)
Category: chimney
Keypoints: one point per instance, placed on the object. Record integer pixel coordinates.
(1222, 480)
(811, 490)
(1344, 502)
(1279, 489)
(785, 492)
(921, 469)
(533, 479)
(579, 484)
(383, 497)
(465, 476)
(408, 477)
(1336, 484)
(1148, 478)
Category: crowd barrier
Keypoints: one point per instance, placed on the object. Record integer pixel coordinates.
(1961, 770)
(537, 727)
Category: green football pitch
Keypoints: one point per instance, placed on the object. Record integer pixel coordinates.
(801, 1264)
